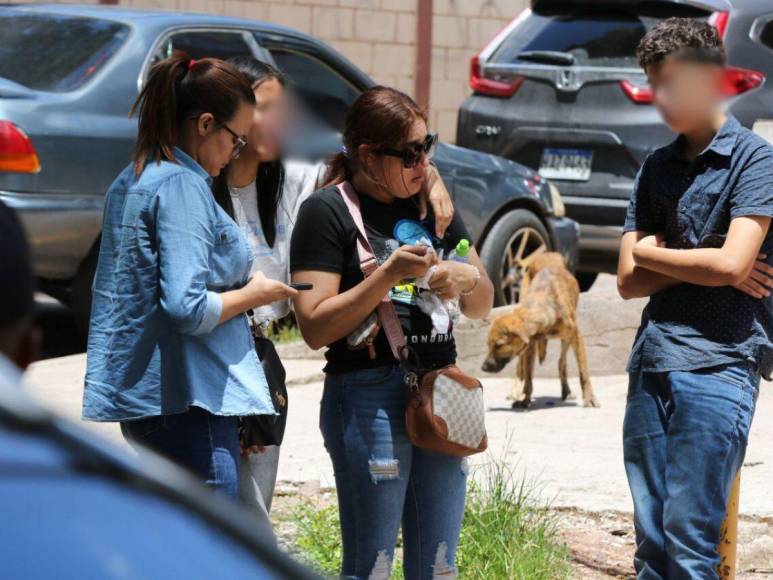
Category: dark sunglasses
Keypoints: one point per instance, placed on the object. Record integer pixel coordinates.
(412, 155)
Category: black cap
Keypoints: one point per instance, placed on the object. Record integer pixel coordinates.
(16, 285)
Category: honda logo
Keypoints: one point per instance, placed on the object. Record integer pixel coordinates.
(568, 80)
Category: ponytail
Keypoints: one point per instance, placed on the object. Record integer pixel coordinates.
(337, 170)
(177, 89)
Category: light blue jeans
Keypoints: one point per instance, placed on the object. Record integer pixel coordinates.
(684, 439)
(383, 480)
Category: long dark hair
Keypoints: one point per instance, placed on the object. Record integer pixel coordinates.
(179, 88)
(270, 177)
(381, 117)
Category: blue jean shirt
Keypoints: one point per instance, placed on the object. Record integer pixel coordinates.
(689, 327)
(155, 346)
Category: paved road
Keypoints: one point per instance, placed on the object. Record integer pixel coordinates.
(574, 454)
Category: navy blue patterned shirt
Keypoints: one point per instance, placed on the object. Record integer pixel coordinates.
(689, 327)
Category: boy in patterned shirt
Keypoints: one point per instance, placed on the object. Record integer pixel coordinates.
(696, 242)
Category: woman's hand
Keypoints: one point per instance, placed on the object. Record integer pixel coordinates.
(760, 280)
(409, 262)
(260, 290)
(434, 191)
(453, 278)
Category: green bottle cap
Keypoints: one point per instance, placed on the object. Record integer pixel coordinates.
(463, 248)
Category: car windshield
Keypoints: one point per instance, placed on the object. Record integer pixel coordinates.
(55, 53)
(586, 37)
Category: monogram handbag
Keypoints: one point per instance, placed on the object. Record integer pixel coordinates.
(445, 411)
(262, 430)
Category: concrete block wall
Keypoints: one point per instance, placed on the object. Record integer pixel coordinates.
(379, 36)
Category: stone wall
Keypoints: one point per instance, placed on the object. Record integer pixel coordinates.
(379, 36)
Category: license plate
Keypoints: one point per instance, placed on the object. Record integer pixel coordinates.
(567, 164)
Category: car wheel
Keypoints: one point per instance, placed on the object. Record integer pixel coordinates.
(514, 240)
(586, 280)
(81, 291)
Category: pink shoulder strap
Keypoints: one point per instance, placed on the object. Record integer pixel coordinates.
(368, 263)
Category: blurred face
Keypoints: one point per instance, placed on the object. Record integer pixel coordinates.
(269, 119)
(686, 93)
(389, 170)
(219, 140)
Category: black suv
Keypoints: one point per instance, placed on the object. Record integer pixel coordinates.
(560, 90)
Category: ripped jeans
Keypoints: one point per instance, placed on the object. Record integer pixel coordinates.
(383, 480)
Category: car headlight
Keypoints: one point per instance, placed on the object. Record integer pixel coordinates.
(559, 210)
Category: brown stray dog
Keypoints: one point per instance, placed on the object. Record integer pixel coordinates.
(546, 310)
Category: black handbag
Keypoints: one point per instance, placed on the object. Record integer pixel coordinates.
(265, 430)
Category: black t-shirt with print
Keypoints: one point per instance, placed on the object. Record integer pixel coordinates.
(325, 239)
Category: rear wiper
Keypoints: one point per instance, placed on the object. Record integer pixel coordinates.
(547, 56)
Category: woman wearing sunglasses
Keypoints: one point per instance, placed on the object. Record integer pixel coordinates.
(170, 354)
(263, 193)
(381, 478)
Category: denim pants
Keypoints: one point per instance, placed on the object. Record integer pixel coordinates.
(382, 480)
(684, 439)
(203, 443)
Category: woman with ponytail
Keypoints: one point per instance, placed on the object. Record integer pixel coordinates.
(170, 354)
(263, 192)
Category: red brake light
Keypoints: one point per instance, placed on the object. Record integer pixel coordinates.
(638, 94)
(483, 86)
(741, 80)
(720, 20)
(17, 155)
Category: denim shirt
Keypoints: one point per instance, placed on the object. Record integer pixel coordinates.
(155, 346)
(689, 327)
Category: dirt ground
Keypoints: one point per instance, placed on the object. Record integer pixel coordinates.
(601, 545)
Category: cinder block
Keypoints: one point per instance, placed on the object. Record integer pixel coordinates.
(449, 31)
(393, 59)
(457, 63)
(406, 28)
(333, 23)
(297, 17)
(360, 53)
(375, 26)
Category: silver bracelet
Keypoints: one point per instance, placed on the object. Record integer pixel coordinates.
(474, 284)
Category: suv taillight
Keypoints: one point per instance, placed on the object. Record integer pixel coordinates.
(737, 80)
(741, 80)
(17, 155)
(720, 20)
(483, 86)
(641, 95)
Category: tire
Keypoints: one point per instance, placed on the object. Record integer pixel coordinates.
(81, 291)
(586, 280)
(505, 268)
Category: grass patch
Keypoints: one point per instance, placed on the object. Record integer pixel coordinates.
(284, 330)
(507, 532)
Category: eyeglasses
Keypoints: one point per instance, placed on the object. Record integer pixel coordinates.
(412, 156)
(239, 142)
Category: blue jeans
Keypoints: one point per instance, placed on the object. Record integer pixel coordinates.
(684, 439)
(382, 480)
(203, 443)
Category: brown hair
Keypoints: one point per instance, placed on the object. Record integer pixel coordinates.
(177, 89)
(685, 38)
(381, 117)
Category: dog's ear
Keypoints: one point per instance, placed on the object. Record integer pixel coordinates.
(514, 327)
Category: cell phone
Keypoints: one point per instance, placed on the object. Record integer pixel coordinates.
(302, 286)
